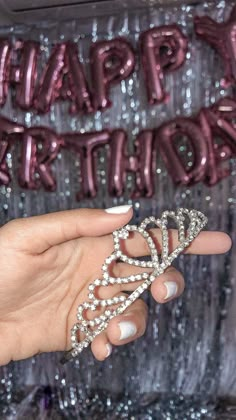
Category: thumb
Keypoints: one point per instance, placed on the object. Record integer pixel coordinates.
(38, 233)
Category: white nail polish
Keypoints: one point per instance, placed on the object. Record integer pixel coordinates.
(171, 289)
(127, 329)
(119, 209)
(109, 349)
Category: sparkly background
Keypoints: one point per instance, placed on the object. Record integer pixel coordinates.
(185, 366)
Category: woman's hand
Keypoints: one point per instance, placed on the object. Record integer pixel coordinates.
(46, 265)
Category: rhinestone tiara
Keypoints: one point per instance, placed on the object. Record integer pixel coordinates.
(195, 222)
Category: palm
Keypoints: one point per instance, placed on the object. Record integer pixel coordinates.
(41, 292)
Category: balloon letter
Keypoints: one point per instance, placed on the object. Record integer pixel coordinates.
(163, 49)
(25, 75)
(76, 80)
(38, 161)
(215, 123)
(85, 145)
(111, 61)
(64, 78)
(141, 164)
(222, 37)
(165, 138)
(5, 50)
(213, 172)
(7, 131)
(51, 81)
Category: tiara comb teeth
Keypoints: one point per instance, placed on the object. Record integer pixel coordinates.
(192, 219)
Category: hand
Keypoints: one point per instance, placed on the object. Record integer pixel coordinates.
(46, 265)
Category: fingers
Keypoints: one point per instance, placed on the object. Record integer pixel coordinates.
(128, 326)
(39, 233)
(168, 286)
(131, 325)
(101, 347)
(121, 330)
(205, 243)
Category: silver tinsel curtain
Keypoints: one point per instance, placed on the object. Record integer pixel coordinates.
(185, 365)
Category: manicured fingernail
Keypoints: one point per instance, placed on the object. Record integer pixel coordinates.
(109, 349)
(127, 329)
(171, 289)
(119, 209)
(130, 313)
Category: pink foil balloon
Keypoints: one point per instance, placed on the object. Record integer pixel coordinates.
(222, 37)
(111, 61)
(37, 161)
(78, 87)
(51, 81)
(25, 75)
(216, 122)
(86, 145)
(64, 78)
(5, 53)
(165, 140)
(163, 50)
(222, 128)
(140, 164)
(8, 132)
(214, 173)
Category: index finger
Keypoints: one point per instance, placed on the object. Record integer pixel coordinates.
(205, 243)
